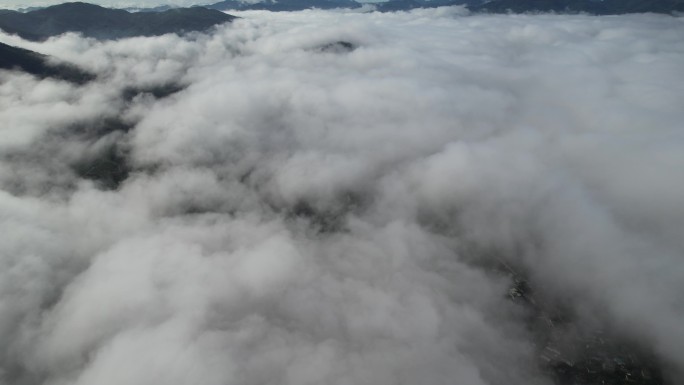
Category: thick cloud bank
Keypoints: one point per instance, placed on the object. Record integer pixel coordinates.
(339, 198)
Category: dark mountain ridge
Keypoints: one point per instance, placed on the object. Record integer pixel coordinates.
(14, 58)
(594, 7)
(406, 5)
(105, 23)
(597, 7)
(284, 5)
(299, 5)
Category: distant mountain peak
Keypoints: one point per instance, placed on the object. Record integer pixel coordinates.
(595, 7)
(95, 21)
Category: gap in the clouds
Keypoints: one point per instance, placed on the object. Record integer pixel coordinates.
(94, 150)
(158, 92)
(109, 166)
(97, 129)
(16, 374)
(332, 217)
(105, 160)
(570, 349)
(340, 46)
(572, 353)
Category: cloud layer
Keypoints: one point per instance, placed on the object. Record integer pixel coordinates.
(304, 215)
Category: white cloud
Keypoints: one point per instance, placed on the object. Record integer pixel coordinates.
(298, 216)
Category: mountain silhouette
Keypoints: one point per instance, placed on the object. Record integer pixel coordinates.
(104, 23)
(596, 7)
(14, 58)
(284, 5)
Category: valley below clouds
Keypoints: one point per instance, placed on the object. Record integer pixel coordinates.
(425, 197)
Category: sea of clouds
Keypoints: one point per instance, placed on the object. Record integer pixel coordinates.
(303, 212)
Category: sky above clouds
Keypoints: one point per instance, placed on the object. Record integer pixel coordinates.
(305, 215)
